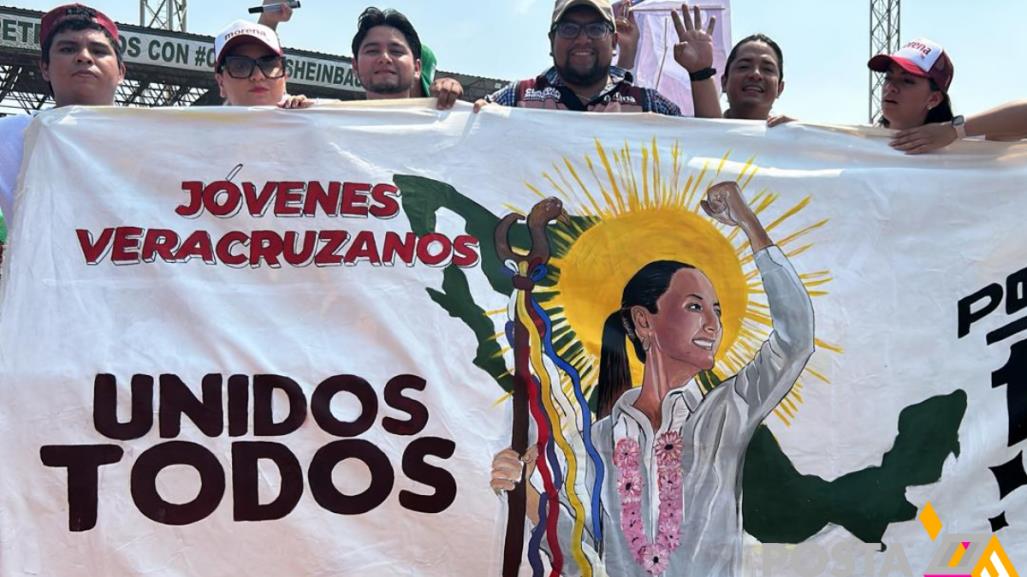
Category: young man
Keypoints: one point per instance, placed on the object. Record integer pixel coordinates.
(80, 59)
(582, 38)
(387, 58)
(249, 67)
(447, 90)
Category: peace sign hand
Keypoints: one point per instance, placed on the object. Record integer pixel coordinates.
(694, 51)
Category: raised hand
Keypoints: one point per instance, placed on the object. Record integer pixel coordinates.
(627, 40)
(724, 203)
(272, 18)
(694, 50)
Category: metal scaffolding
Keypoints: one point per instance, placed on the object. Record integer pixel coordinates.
(163, 14)
(884, 38)
(169, 67)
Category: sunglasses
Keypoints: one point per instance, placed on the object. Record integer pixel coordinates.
(571, 30)
(243, 66)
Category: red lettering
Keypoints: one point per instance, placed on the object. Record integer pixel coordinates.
(195, 206)
(384, 195)
(465, 249)
(265, 245)
(401, 246)
(289, 198)
(222, 198)
(196, 244)
(224, 248)
(126, 245)
(303, 255)
(94, 252)
(354, 199)
(364, 248)
(333, 240)
(317, 196)
(257, 204)
(438, 257)
(159, 242)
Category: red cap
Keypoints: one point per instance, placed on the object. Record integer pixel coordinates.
(920, 57)
(74, 12)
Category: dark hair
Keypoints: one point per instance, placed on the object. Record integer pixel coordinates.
(74, 25)
(757, 38)
(644, 289)
(940, 113)
(372, 17)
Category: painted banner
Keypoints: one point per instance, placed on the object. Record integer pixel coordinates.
(333, 341)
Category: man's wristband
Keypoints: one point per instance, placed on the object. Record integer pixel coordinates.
(703, 74)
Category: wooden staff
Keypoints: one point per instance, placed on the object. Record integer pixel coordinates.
(539, 217)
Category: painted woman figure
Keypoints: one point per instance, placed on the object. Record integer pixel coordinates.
(674, 457)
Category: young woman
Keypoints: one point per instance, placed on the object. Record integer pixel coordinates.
(250, 67)
(916, 84)
(671, 497)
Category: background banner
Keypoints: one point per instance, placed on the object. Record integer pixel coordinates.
(269, 342)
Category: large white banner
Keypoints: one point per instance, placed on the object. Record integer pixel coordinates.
(268, 342)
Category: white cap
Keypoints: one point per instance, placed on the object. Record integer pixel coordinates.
(920, 57)
(243, 29)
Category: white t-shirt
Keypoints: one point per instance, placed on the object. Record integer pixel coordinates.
(12, 142)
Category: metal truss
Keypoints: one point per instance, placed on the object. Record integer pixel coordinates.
(163, 14)
(884, 39)
(22, 89)
(147, 93)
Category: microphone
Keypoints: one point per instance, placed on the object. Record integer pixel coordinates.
(274, 7)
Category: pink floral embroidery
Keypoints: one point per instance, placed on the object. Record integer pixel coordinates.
(629, 485)
(655, 556)
(668, 449)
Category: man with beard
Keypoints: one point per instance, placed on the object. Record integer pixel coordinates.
(582, 38)
(387, 58)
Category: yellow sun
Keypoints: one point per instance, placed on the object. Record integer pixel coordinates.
(602, 260)
(637, 210)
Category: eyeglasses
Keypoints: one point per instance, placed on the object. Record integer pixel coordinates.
(243, 66)
(571, 30)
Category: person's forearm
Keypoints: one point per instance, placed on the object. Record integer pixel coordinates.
(705, 99)
(1009, 119)
(266, 21)
(531, 505)
(626, 59)
(758, 237)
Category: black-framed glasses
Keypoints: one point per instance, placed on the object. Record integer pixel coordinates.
(273, 66)
(571, 30)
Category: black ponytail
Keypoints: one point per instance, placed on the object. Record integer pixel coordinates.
(644, 289)
(614, 368)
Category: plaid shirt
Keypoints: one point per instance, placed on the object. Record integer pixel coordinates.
(550, 91)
